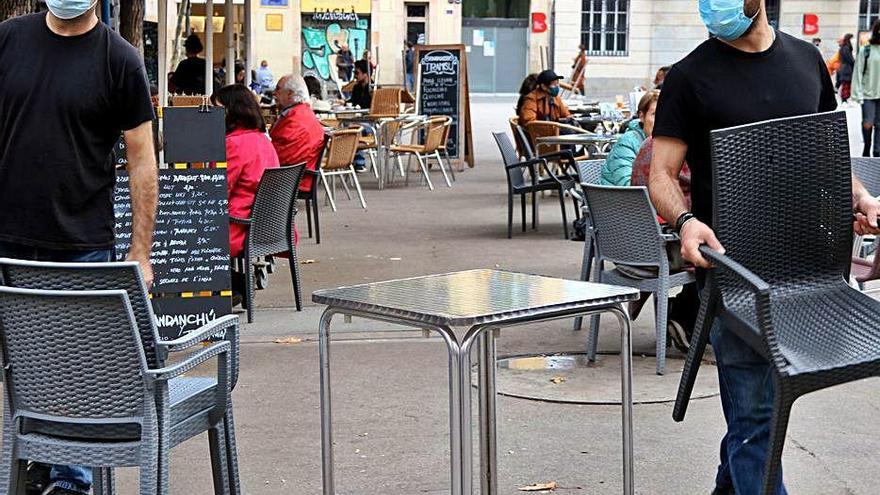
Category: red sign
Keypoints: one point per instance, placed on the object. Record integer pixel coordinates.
(811, 24)
(539, 22)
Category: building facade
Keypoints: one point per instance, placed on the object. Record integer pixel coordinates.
(628, 40)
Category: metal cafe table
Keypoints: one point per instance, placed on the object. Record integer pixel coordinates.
(466, 307)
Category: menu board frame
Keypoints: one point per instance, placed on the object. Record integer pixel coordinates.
(464, 140)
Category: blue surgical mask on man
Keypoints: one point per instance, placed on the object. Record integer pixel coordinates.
(554, 91)
(69, 9)
(726, 19)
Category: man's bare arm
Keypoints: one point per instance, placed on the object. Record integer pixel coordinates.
(143, 181)
(866, 209)
(668, 198)
(666, 162)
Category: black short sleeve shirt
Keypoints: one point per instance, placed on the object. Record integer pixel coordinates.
(63, 104)
(717, 86)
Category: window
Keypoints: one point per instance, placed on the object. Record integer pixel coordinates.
(605, 27)
(869, 11)
(773, 13)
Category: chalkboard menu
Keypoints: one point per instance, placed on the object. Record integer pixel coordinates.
(120, 153)
(191, 241)
(175, 316)
(439, 88)
(194, 134)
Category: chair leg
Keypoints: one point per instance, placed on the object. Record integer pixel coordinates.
(13, 472)
(151, 477)
(534, 211)
(103, 481)
(425, 171)
(372, 154)
(231, 452)
(564, 214)
(699, 340)
(661, 310)
(317, 221)
(294, 275)
(442, 168)
(593, 338)
(249, 282)
(522, 209)
(309, 214)
(449, 164)
(345, 185)
(400, 167)
(327, 190)
(509, 214)
(219, 468)
(586, 262)
(357, 185)
(577, 208)
(781, 413)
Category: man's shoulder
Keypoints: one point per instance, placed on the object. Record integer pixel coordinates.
(698, 56)
(16, 26)
(121, 50)
(796, 46)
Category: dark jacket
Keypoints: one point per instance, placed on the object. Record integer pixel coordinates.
(847, 63)
(361, 96)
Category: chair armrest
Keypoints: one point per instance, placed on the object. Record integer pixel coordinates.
(190, 363)
(725, 263)
(528, 163)
(242, 221)
(220, 326)
(670, 237)
(564, 154)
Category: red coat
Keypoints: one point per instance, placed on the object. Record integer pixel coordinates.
(298, 137)
(248, 154)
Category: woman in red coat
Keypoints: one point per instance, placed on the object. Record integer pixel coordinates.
(248, 153)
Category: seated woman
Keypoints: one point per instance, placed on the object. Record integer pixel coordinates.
(318, 103)
(543, 102)
(248, 154)
(618, 167)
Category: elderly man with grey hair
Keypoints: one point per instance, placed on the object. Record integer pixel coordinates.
(297, 135)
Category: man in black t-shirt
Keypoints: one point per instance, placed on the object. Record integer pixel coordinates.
(747, 72)
(69, 86)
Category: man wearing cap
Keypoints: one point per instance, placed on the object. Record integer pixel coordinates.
(544, 103)
(56, 136)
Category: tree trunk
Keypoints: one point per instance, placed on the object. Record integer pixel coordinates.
(12, 8)
(131, 22)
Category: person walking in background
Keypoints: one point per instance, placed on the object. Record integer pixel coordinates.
(660, 76)
(189, 77)
(617, 169)
(56, 139)
(866, 90)
(579, 68)
(344, 63)
(297, 136)
(265, 78)
(248, 154)
(409, 55)
(847, 65)
(743, 74)
(368, 58)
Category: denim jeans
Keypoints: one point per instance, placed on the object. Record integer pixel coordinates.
(70, 477)
(746, 385)
(871, 117)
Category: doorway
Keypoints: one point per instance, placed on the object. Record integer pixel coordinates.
(417, 23)
(497, 51)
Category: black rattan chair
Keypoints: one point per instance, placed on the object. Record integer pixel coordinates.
(311, 196)
(789, 301)
(271, 227)
(517, 184)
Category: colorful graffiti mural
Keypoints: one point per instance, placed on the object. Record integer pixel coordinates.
(323, 37)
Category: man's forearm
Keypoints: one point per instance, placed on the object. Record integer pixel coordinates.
(666, 195)
(143, 181)
(858, 190)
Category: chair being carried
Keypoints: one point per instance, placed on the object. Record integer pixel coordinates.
(788, 301)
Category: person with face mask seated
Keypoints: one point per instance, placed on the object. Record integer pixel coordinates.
(544, 103)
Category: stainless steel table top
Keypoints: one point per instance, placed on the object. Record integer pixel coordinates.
(473, 297)
(578, 139)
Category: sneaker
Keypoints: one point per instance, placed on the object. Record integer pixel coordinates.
(677, 336)
(361, 169)
(54, 489)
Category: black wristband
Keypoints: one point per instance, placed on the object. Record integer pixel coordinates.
(680, 221)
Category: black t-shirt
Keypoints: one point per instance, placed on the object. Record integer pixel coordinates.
(361, 96)
(717, 86)
(63, 103)
(189, 78)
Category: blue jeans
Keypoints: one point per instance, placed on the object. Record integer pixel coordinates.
(70, 477)
(746, 384)
(410, 82)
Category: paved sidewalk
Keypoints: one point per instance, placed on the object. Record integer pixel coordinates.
(390, 386)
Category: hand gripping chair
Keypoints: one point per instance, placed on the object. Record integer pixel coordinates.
(781, 285)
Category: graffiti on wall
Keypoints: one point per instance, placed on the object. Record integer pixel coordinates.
(323, 37)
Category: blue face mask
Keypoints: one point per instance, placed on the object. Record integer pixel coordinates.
(69, 9)
(725, 19)
(554, 91)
